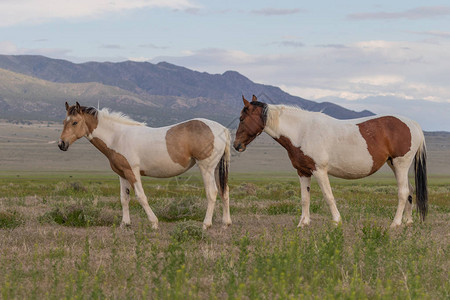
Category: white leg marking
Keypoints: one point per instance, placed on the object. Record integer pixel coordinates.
(125, 187)
(211, 193)
(140, 195)
(401, 173)
(324, 183)
(305, 185)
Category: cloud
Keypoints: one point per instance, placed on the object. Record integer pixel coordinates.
(153, 46)
(276, 11)
(292, 44)
(111, 46)
(14, 12)
(424, 12)
(405, 70)
(440, 34)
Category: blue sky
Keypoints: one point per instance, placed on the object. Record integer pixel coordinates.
(386, 56)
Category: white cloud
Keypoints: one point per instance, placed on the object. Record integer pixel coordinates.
(401, 69)
(14, 12)
(276, 11)
(424, 12)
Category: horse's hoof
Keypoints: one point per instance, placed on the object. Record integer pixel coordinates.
(155, 226)
(395, 225)
(226, 225)
(302, 224)
(206, 226)
(124, 225)
(337, 223)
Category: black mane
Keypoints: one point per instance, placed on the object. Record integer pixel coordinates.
(84, 109)
(265, 108)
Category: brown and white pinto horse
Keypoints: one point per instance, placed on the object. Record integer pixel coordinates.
(320, 145)
(135, 150)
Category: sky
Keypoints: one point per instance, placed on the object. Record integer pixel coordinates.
(391, 57)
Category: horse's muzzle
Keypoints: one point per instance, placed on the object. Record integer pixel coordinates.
(239, 147)
(63, 145)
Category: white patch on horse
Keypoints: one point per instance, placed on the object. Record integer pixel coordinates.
(333, 144)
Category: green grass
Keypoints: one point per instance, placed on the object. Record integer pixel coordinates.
(62, 240)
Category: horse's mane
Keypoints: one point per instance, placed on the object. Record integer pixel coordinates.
(274, 111)
(107, 115)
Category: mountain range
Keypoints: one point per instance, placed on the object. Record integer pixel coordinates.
(36, 87)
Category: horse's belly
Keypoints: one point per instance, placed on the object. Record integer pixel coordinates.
(351, 166)
(163, 169)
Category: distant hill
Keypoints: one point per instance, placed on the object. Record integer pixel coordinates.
(37, 86)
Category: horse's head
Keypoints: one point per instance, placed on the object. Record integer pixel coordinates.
(75, 126)
(251, 123)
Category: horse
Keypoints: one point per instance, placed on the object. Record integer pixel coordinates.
(134, 150)
(319, 145)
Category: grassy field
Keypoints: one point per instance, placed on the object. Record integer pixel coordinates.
(59, 238)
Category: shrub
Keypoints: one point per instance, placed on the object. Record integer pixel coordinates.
(78, 215)
(191, 208)
(282, 208)
(187, 230)
(10, 219)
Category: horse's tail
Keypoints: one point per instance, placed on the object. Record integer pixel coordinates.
(223, 166)
(420, 170)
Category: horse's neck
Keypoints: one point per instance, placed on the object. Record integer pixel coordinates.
(106, 131)
(286, 121)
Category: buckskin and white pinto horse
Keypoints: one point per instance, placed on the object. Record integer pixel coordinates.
(320, 145)
(135, 150)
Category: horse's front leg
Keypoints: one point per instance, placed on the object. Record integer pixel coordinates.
(305, 184)
(125, 187)
(324, 183)
(140, 195)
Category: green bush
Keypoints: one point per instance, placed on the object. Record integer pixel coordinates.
(175, 209)
(10, 219)
(186, 231)
(78, 215)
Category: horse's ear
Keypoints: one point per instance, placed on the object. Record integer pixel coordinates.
(78, 107)
(246, 103)
(254, 99)
(67, 106)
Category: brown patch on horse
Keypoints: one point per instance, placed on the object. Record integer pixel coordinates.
(118, 162)
(189, 140)
(304, 164)
(386, 138)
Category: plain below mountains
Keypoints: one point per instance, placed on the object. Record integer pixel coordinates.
(36, 87)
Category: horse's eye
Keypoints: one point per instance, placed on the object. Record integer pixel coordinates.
(241, 119)
(74, 123)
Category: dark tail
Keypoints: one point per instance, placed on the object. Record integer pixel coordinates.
(420, 170)
(222, 167)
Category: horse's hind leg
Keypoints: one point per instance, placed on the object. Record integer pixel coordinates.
(211, 192)
(405, 191)
(408, 207)
(125, 187)
(324, 183)
(401, 174)
(225, 196)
